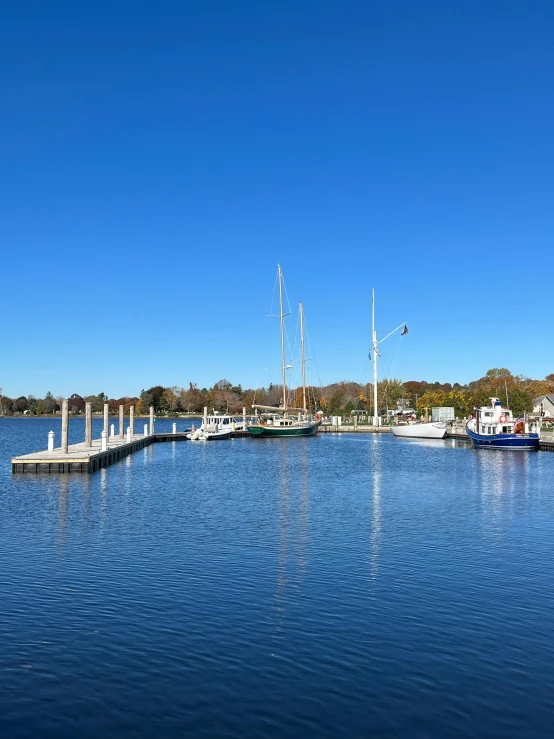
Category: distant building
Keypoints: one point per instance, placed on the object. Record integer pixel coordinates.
(443, 413)
(544, 406)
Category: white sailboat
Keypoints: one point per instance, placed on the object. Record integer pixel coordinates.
(413, 429)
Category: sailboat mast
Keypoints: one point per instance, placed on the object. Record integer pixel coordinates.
(282, 316)
(304, 406)
(374, 337)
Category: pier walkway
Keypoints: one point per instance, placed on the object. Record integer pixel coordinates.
(83, 458)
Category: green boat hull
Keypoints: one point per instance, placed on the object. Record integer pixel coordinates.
(267, 431)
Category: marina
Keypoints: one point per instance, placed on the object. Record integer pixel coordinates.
(336, 572)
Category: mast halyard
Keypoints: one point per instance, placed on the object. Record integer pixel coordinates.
(303, 358)
(282, 317)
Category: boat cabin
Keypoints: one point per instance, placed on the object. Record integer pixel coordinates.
(494, 419)
(220, 423)
(274, 419)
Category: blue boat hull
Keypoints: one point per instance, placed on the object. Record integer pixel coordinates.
(515, 442)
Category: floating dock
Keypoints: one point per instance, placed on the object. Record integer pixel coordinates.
(83, 458)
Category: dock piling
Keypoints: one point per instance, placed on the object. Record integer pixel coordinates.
(132, 419)
(146, 429)
(106, 418)
(128, 434)
(121, 421)
(65, 426)
(205, 417)
(151, 419)
(50, 441)
(104, 442)
(112, 431)
(174, 428)
(88, 424)
(244, 419)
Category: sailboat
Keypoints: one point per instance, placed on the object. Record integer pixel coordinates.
(285, 421)
(413, 429)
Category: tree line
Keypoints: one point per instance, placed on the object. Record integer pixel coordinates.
(337, 398)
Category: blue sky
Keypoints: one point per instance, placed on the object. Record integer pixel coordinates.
(159, 159)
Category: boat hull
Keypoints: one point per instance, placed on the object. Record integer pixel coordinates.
(514, 442)
(276, 431)
(420, 430)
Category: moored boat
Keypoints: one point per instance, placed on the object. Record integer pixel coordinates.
(279, 421)
(494, 427)
(415, 430)
(214, 427)
(272, 424)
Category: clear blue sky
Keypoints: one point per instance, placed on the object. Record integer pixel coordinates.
(159, 159)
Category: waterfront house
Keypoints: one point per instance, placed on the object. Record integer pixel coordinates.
(544, 406)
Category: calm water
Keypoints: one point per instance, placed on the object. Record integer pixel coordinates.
(333, 586)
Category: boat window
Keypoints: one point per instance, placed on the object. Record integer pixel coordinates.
(504, 429)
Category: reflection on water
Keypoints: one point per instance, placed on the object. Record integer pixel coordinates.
(376, 508)
(235, 574)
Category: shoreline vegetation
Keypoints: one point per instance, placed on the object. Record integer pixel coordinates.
(337, 398)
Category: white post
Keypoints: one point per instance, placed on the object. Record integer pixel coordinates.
(88, 424)
(106, 418)
(146, 429)
(205, 426)
(50, 441)
(132, 419)
(112, 430)
(151, 419)
(104, 442)
(121, 420)
(128, 434)
(244, 419)
(174, 428)
(65, 426)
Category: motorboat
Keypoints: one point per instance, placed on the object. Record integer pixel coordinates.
(494, 427)
(215, 427)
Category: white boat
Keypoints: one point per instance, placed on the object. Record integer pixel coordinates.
(415, 430)
(214, 427)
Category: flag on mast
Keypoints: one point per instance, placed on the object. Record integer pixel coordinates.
(404, 330)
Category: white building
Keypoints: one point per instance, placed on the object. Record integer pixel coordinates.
(544, 406)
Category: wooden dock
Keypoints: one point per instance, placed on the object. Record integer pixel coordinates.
(83, 458)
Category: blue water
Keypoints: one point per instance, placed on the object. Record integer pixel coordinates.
(350, 585)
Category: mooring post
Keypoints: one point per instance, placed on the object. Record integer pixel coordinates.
(146, 429)
(104, 441)
(128, 434)
(174, 428)
(107, 418)
(88, 424)
(121, 421)
(244, 419)
(65, 426)
(112, 430)
(205, 417)
(151, 419)
(50, 441)
(132, 419)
